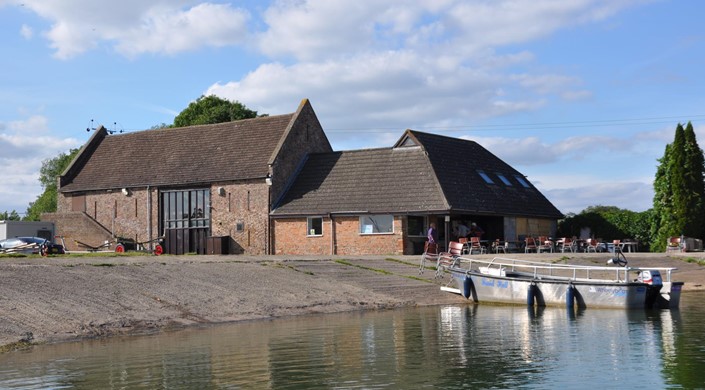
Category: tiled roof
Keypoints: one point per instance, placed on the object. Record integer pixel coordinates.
(456, 163)
(180, 156)
(364, 181)
(422, 173)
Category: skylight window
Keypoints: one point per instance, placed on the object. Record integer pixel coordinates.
(522, 181)
(485, 177)
(504, 179)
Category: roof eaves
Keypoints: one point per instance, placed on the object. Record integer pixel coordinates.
(83, 155)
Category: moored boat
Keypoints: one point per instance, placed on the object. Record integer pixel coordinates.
(512, 281)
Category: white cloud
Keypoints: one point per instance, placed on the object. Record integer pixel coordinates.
(174, 31)
(25, 144)
(26, 32)
(135, 27)
(393, 63)
(635, 196)
(35, 124)
(414, 90)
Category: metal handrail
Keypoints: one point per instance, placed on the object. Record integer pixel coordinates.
(535, 267)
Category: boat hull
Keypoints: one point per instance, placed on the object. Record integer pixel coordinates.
(594, 294)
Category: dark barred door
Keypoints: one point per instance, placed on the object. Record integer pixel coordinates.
(186, 221)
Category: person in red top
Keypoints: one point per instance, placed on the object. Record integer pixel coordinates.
(476, 231)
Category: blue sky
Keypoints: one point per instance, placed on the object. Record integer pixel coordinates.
(581, 96)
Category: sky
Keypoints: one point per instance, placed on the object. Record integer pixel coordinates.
(581, 96)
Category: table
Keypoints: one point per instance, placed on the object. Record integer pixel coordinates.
(629, 245)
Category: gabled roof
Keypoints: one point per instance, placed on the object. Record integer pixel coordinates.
(229, 151)
(364, 181)
(457, 164)
(422, 173)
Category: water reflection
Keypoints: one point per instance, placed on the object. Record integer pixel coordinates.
(448, 347)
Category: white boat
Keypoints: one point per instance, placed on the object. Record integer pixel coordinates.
(512, 281)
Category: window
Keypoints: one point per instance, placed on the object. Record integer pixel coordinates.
(415, 226)
(376, 224)
(239, 226)
(186, 209)
(522, 181)
(485, 177)
(315, 226)
(504, 179)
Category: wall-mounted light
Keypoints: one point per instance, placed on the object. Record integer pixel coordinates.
(126, 192)
(268, 179)
(221, 191)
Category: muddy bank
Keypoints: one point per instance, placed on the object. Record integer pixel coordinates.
(63, 298)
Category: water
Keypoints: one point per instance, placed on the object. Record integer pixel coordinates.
(449, 347)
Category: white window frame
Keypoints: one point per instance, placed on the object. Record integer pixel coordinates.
(368, 229)
(309, 228)
(522, 181)
(485, 176)
(504, 179)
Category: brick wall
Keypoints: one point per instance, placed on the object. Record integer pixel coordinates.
(127, 216)
(112, 214)
(76, 226)
(290, 237)
(305, 136)
(245, 204)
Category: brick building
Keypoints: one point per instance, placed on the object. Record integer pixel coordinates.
(186, 184)
(273, 185)
(381, 201)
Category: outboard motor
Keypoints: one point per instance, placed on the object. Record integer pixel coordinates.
(653, 279)
(618, 258)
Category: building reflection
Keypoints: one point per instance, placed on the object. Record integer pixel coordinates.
(448, 346)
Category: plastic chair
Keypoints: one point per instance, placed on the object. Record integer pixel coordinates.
(430, 253)
(466, 245)
(448, 259)
(499, 246)
(544, 244)
(530, 245)
(475, 245)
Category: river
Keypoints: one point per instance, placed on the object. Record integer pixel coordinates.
(449, 347)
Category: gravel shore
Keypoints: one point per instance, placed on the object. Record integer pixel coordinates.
(68, 298)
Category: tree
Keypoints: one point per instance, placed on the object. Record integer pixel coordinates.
(609, 223)
(11, 216)
(695, 186)
(48, 174)
(212, 109)
(679, 206)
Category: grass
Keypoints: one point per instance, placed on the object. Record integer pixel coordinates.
(382, 271)
(694, 260)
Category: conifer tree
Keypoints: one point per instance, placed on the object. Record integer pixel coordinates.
(694, 174)
(662, 224)
(679, 190)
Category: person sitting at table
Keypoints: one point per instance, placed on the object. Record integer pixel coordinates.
(462, 230)
(475, 231)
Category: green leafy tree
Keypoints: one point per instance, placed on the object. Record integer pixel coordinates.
(610, 223)
(48, 174)
(662, 225)
(9, 216)
(161, 126)
(212, 109)
(679, 189)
